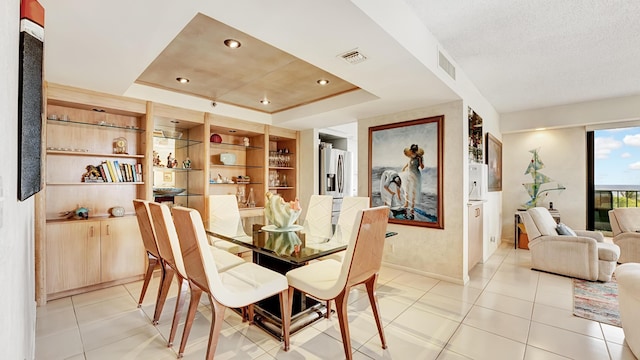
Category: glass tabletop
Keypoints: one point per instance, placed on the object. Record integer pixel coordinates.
(294, 247)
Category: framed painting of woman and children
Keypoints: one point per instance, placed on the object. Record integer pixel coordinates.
(405, 171)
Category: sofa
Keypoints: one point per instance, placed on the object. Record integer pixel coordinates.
(625, 225)
(580, 254)
(628, 277)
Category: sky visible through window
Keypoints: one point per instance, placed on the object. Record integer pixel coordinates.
(617, 156)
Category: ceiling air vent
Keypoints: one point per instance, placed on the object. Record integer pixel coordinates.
(446, 65)
(353, 57)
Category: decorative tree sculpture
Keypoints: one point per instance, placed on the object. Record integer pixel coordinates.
(539, 179)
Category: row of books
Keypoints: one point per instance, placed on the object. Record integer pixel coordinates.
(113, 171)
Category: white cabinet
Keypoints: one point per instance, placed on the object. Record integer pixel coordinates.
(475, 234)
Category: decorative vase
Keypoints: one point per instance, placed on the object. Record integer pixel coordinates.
(280, 213)
(215, 138)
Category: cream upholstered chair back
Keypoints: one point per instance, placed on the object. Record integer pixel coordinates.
(363, 256)
(198, 261)
(624, 220)
(167, 237)
(364, 253)
(317, 219)
(625, 226)
(224, 215)
(243, 284)
(146, 228)
(538, 222)
(347, 218)
(333, 280)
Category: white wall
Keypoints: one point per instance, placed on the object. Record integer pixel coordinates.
(435, 252)
(17, 317)
(563, 151)
(308, 167)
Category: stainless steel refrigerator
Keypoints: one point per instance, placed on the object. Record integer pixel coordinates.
(335, 175)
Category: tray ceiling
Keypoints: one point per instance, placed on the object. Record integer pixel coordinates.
(243, 76)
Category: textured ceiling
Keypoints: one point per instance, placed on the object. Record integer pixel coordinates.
(519, 54)
(524, 54)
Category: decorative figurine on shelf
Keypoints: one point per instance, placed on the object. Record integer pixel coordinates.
(281, 213)
(186, 163)
(240, 196)
(92, 174)
(79, 213)
(120, 145)
(245, 141)
(171, 161)
(251, 201)
(156, 159)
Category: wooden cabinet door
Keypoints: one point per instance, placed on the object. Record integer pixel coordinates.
(121, 249)
(73, 255)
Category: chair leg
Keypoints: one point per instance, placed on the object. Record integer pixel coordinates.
(196, 292)
(165, 285)
(285, 315)
(341, 310)
(216, 325)
(183, 284)
(250, 314)
(328, 314)
(153, 262)
(373, 299)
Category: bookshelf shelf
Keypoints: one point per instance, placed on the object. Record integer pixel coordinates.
(63, 183)
(97, 124)
(92, 154)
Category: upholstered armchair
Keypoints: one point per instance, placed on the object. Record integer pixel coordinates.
(625, 225)
(628, 276)
(581, 254)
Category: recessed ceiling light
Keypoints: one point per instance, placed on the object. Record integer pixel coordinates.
(97, 110)
(323, 82)
(182, 80)
(232, 44)
(175, 121)
(232, 131)
(265, 101)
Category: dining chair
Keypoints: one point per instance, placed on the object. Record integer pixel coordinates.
(332, 280)
(169, 248)
(225, 219)
(350, 207)
(148, 235)
(240, 286)
(317, 218)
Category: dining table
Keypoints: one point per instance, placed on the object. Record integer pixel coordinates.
(280, 250)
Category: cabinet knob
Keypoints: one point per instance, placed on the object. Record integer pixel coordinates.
(91, 231)
(108, 230)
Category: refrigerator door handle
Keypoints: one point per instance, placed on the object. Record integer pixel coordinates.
(340, 174)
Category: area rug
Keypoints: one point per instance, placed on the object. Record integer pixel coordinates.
(596, 301)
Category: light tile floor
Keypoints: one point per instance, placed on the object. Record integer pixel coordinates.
(506, 311)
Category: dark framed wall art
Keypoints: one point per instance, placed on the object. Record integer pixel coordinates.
(30, 99)
(494, 163)
(405, 170)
